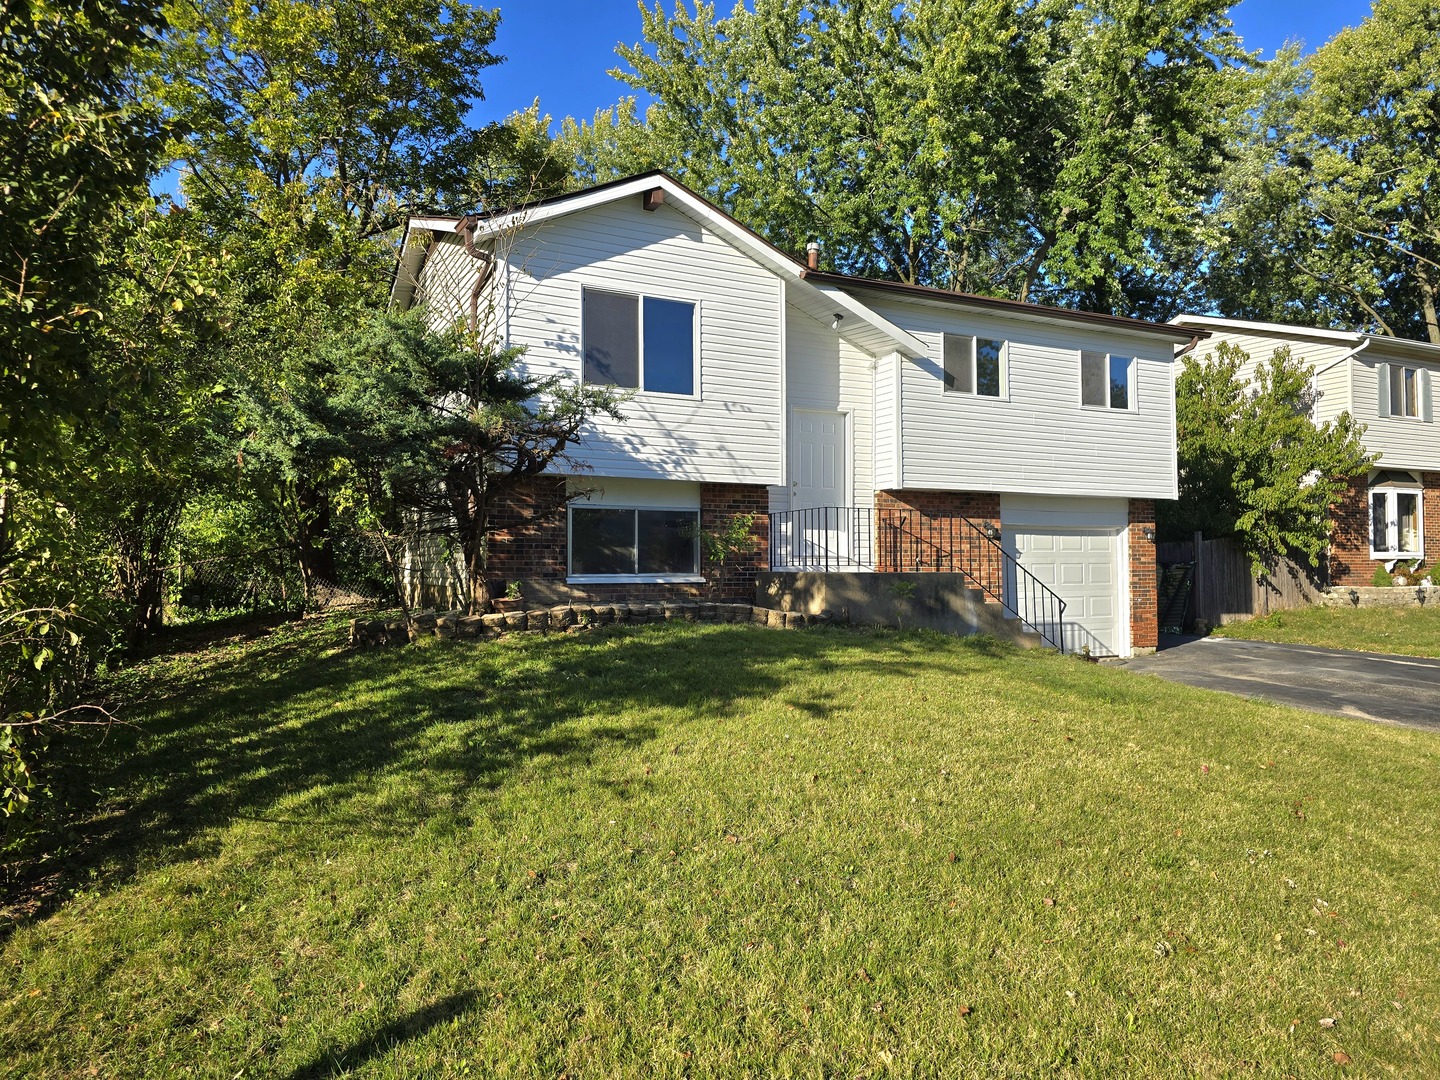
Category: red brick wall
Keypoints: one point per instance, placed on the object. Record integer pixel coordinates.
(718, 504)
(1350, 562)
(917, 530)
(528, 544)
(1144, 581)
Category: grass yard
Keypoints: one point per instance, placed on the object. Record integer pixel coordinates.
(1413, 631)
(725, 851)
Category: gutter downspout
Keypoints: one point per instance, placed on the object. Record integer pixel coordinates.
(1193, 342)
(466, 227)
(1348, 356)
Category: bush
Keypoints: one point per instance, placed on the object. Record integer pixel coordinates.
(1382, 578)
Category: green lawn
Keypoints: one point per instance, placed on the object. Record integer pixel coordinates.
(1413, 631)
(727, 851)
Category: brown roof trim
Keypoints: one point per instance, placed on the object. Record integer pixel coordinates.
(1011, 307)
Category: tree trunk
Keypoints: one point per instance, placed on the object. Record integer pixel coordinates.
(1426, 282)
(317, 546)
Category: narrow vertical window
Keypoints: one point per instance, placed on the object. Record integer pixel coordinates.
(610, 324)
(1407, 521)
(1120, 382)
(987, 366)
(959, 363)
(669, 346)
(1379, 521)
(1092, 379)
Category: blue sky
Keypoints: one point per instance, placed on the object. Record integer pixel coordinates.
(559, 50)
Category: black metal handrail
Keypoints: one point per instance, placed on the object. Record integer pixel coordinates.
(837, 538)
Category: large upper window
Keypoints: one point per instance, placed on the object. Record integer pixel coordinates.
(1395, 524)
(1106, 380)
(640, 342)
(973, 365)
(622, 542)
(1404, 391)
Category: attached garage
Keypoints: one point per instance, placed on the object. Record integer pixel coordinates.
(1076, 548)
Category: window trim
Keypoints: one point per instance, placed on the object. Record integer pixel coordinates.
(974, 391)
(696, 578)
(1132, 379)
(640, 298)
(1390, 489)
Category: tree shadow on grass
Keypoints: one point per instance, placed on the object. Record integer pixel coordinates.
(338, 1060)
(290, 729)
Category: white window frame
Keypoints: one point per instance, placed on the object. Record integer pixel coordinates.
(974, 391)
(1390, 490)
(640, 299)
(1132, 373)
(639, 579)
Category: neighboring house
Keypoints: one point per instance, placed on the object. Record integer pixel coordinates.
(1386, 384)
(867, 425)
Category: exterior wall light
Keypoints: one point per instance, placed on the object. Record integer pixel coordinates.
(991, 532)
(1149, 534)
(836, 324)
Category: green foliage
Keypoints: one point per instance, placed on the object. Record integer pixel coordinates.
(1382, 578)
(75, 150)
(1331, 209)
(722, 546)
(435, 427)
(1045, 151)
(1253, 464)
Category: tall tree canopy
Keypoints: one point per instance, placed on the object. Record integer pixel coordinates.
(1331, 210)
(1046, 150)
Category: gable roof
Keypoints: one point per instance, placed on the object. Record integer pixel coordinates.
(1402, 347)
(821, 294)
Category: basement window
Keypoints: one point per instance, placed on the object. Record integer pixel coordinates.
(638, 342)
(609, 542)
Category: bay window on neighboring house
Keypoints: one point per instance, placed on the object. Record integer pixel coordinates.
(1396, 526)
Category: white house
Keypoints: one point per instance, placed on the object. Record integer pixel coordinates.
(868, 425)
(1386, 384)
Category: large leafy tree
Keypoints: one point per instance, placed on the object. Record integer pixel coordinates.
(1043, 151)
(1253, 463)
(1331, 210)
(312, 129)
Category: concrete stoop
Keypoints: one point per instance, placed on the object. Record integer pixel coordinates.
(948, 603)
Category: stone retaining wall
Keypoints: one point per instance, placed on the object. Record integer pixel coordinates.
(569, 619)
(1390, 596)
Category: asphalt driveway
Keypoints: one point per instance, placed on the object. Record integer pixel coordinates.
(1369, 686)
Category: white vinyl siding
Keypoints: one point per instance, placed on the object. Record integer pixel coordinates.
(887, 422)
(825, 372)
(730, 431)
(1039, 438)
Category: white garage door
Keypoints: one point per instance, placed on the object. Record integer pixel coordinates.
(1081, 566)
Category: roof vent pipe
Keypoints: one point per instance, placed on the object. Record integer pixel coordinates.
(812, 255)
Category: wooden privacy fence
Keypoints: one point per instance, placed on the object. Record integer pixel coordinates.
(1224, 590)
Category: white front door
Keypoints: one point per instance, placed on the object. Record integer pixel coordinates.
(820, 532)
(1082, 567)
(818, 460)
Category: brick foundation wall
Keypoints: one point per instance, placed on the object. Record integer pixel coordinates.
(1349, 558)
(528, 544)
(1144, 580)
(917, 530)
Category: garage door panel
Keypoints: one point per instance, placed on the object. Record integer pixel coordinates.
(1081, 567)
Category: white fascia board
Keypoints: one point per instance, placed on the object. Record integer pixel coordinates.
(902, 341)
(434, 224)
(1214, 322)
(407, 270)
(774, 260)
(1404, 348)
